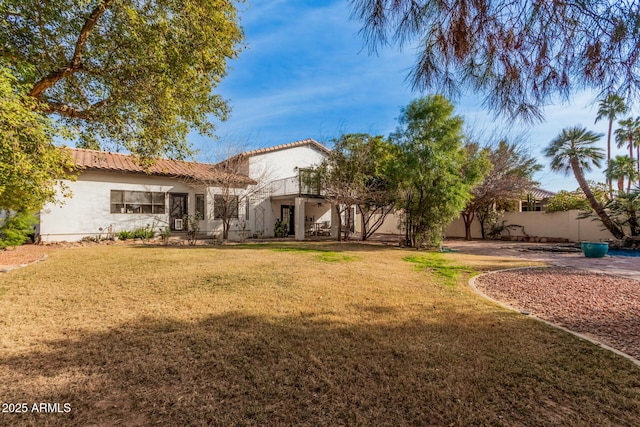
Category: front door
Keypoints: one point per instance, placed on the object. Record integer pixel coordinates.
(177, 210)
(287, 216)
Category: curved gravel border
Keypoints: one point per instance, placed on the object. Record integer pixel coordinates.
(600, 308)
(13, 267)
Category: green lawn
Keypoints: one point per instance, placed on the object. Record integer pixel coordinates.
(277, 334)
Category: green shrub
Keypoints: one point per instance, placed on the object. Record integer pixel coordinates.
(280, 229)
(16, 229)
(143, 233)
(124, 235)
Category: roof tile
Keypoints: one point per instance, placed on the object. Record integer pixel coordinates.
(311, 142)
(107, 161)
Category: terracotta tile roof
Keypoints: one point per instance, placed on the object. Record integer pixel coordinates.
(310, 142)
(116, 162)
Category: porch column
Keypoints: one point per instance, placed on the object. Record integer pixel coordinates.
(300, 215)
(335, 231)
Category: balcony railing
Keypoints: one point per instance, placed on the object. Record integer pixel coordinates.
(304, 184)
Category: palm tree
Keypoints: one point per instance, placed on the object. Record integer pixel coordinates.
(573, 150)
(622, 167)
(628, 134)
(611, 108)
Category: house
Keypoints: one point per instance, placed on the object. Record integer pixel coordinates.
(114, 193)
(291, 193)
(536, 200)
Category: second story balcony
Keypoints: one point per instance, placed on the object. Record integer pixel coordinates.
(306, 183)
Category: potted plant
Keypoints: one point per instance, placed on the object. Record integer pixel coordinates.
(594, 249)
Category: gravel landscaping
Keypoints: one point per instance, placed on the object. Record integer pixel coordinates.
(601, 306)
(21, 255)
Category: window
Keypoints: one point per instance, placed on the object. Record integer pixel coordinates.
(200, 211)
(220, 207)
(137, 202)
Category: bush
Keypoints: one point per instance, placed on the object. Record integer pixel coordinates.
(17, 229)
(280, 229)
(566, 201)
(143, 233)
(124, 235)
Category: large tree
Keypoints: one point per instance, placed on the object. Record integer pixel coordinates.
(510, 176)
(129, 74)
(30, 164)
(520, 54)
(610, 107)
(574, 150)
(434, 170)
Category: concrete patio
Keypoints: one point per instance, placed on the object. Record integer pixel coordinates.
(553, 253)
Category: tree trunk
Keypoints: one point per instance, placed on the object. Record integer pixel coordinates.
(365, 222)
(468, 217)
(597, 207)
(339, 221)
(408, 222)
(225, 229)
(609, 182)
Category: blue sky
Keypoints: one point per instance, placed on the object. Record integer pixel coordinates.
(307, 74)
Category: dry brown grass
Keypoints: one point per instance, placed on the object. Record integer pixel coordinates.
(256, 335)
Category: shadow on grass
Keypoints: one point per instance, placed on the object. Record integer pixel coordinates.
(236, 369)
(292, 246)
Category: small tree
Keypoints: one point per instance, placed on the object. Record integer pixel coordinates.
(231, 187)
(193, 227)
(434, 171)
(625, 211)
(575, 200)
(509, 177)
(355, 173)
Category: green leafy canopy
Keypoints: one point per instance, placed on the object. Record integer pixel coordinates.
(435, 171)
(30, 164)
(129, 74)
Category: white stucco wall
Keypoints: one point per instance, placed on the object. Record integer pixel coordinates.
(284, 163)
(274, 165)
(89, 207)
(392, 224)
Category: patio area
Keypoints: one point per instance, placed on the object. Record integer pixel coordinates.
(561, 255)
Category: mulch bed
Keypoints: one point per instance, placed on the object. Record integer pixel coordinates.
(25, 254)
